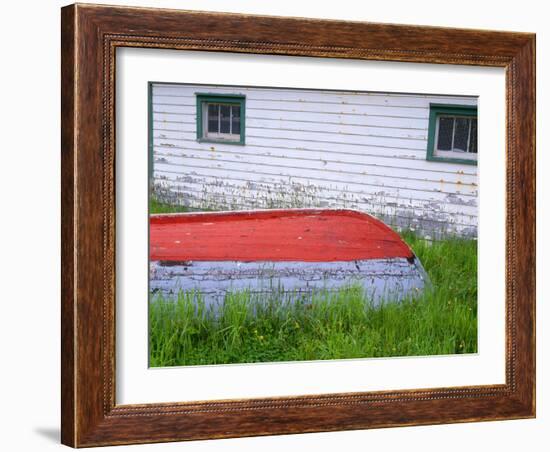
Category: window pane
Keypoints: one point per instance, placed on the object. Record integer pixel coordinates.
(224, 118)
(445, 137)
(473, 137)
(213, 118)
(236, 120)
(462, 129)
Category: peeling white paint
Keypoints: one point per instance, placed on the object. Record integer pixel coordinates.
(379, 279)
(307, 148)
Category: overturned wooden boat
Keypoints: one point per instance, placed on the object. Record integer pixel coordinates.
(280, 251)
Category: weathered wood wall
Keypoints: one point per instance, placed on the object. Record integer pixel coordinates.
(309, 148)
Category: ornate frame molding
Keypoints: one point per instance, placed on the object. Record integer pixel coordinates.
(90, 37)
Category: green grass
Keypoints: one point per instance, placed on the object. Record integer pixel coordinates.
(337, 326)
(160, 207)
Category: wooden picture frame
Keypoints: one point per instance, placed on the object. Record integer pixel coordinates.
(90, 36)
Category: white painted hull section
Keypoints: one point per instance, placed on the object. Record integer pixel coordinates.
(380, 279)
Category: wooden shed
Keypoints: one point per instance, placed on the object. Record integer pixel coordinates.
(408, 159)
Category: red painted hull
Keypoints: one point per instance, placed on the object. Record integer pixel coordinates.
(306, 235)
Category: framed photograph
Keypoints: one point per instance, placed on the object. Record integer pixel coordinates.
(282, 225)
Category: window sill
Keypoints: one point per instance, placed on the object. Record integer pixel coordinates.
(220, 141)
(432, 158)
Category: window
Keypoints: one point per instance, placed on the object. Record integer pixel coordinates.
(452, 134)
(220, 118)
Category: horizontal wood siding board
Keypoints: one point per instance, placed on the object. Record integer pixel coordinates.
(370, 165)
(283, 110)
(231, 194)
(373, 156)
(254, 124)
(306, 107)
(286, 172)
(360, 149)
(338, 137)
(275, 136)
(169, 173)
(298, 191)
(321, 101)
(243, 197)
(351, 167)
(312, 96)
(163, 114)
(386, 148)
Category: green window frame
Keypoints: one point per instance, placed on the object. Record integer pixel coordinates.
(208, 105)
(437, 111)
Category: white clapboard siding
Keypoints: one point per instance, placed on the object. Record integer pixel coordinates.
(170, 172)
(178, 104)
(313, 96)
(355, 173)
(356, 164)
(166, 113)
(312, 148)
(372, 160)
(329, 195)
(273, 187)
(286, 126)
(294, 147)
(270, 135)
(437, 221)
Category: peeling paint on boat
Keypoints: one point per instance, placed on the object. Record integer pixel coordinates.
(288, 252)
(380, 279)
